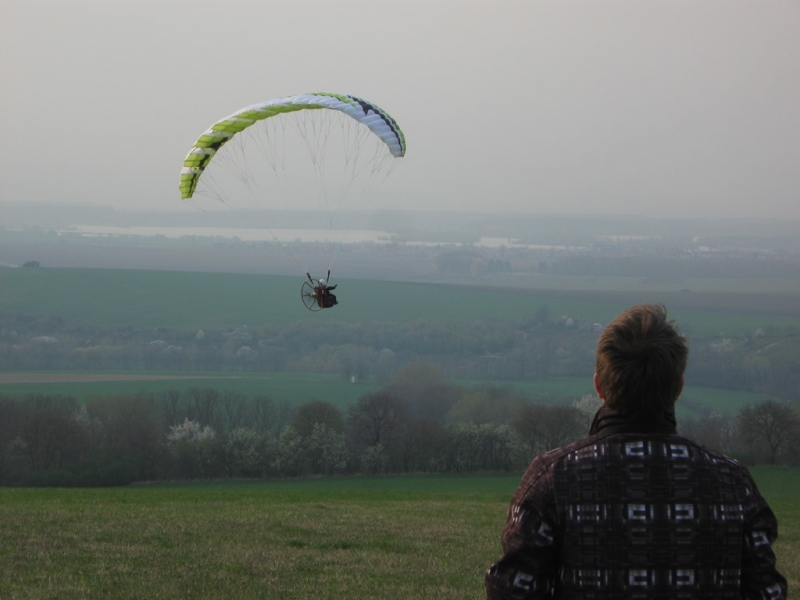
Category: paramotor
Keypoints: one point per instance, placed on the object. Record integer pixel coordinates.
(316, 152)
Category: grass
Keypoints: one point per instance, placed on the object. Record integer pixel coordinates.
(559, 390)
(296, 388)
(781, 487)
(383, 537)
(725, 402)
(194, 300)
(299, 388)
(302, 539)
(616, 283)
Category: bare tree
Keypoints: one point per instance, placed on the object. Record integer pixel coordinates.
(421, 446)
(284, 413)
(543, 428)
(715, 431)
(50, 435)
(317, 411)
(377, 419)
(234, 408)
(487, 405)
(51, 438)
(172, 407)
(205, 405)
(425, 388)
(488, 446)
(770, 426)
(262, 414)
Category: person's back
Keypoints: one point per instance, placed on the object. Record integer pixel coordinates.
(648, 516)
(634, 510)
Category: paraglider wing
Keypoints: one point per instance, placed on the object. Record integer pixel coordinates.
(378, 121)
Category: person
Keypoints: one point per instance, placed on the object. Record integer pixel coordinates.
(324, 297)
(635, 510)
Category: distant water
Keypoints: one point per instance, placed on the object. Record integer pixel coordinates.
(339, 236)
(347, 236)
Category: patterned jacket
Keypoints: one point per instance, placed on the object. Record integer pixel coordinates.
(636, 511)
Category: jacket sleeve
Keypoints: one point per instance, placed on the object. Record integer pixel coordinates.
(760, 577)
(529, 566)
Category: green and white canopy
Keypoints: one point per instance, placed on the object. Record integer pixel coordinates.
(378, 121)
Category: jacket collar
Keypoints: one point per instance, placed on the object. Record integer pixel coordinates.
(608, 421)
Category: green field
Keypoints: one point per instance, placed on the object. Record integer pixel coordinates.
(694, 402)
(382, 537)
(213, 301)
(295, 388)
(299, 388)
(194, 300)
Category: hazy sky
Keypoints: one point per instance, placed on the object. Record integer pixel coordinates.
(651, 107)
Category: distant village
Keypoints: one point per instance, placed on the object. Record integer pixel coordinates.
(400, 246)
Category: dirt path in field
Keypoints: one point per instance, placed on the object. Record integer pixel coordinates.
(89, 377)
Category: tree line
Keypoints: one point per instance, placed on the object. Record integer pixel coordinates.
(541, 346)
(419, 422)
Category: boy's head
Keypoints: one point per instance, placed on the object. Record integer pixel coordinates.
(640, 362)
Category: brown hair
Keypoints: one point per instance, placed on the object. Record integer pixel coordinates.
(640, 361)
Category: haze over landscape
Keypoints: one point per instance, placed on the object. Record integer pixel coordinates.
(677, 109)
(572, 156)
(564, 160)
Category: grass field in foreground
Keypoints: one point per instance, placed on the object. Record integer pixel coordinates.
(385, 537)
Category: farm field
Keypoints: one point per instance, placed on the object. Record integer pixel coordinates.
(354, 537)
(295, 388)
(298, 388)
(195, 300)
(694, 402)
